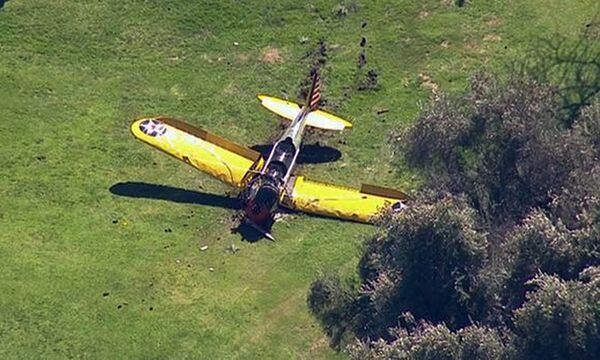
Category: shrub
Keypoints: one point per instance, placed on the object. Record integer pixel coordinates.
(561, 319)
(435, 342)
(540, 245)
(503, 144)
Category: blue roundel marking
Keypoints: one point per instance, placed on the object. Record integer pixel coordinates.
(153, 127)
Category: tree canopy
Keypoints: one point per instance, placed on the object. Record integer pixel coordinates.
(499, 255)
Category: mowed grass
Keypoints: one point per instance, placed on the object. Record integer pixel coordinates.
(86, 273)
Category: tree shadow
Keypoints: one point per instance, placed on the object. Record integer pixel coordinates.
(574, 65)
(2, 2)
(169, 193)
(309, 153)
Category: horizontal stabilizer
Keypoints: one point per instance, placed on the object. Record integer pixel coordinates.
(289, 110)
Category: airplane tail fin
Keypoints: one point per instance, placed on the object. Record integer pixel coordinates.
(314, 96)
(314, 117)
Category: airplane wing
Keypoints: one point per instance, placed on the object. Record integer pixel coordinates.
(317, 118)
(221, 158)
(340, 201)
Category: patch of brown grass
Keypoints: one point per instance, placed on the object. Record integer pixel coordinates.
(272, 55)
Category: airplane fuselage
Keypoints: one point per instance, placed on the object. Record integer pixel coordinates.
(265, 191)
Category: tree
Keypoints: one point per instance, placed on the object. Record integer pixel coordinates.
(577, 204)
(503, 145)
(332, 303)
(513, 192)
(541, 245)
(435, 342)
(561, 319)
(425, 260)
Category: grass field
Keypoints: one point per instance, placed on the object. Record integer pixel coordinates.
(86, 273)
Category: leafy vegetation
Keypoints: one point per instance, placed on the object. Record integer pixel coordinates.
(498, 257)
(505, 147)
(560, 320)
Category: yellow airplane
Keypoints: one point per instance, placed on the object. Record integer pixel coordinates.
(265, 183)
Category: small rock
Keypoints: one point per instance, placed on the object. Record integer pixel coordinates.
(203, 248)
(211, 269)
(233, 248)
(235, 43)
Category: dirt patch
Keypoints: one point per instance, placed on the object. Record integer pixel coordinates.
(427, 83)
(319, 344)
(474, 47)
(445, 44)
(370, 81)
(494, 22)
(492, 38)
(272, 55)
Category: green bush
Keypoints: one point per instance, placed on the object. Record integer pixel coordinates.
(540, 245)
(332, 303)
(504, 145)
(561, 319)
(434, 342)
(425, 261)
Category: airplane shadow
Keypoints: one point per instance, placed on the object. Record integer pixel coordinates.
(248, 233)
(169, 193)
(164, 192)
(309, 153)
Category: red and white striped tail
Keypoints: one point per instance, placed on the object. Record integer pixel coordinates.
(315, 92)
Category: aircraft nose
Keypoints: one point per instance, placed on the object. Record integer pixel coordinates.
(257, 213)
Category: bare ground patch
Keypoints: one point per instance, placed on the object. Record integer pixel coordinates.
(272, 55)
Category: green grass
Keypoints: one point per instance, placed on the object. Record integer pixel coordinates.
(73, 74)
